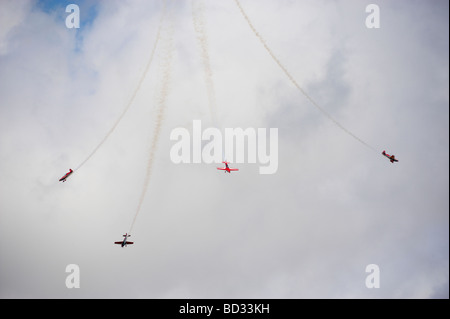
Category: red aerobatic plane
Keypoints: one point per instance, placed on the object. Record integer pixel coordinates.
(226, 168)
(391, 157)
(124, 242)
(63, 179)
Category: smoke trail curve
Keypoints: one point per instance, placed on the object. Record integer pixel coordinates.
(133, 96)
(313, 102)
(161, 106)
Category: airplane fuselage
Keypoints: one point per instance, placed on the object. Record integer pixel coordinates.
(227, 168)
(63, 179)
(124, 242)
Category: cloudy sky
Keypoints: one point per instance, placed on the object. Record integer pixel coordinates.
(309, 230)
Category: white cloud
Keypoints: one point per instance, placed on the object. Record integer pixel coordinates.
(332, 208)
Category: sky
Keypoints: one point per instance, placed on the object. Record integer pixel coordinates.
(333, 206)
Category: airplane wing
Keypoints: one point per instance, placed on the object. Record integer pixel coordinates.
(130, 243)
(221, 168)
(65, 176)
(234, 169)
(117, 242)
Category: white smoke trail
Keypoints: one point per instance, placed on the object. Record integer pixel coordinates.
(198, 19)
(161, 102)
(202, 37)
(313, 102)
(133, 96)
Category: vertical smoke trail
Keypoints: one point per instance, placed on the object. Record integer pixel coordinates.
(161, 102)
(133, 96)
(202, 37)
(295, 82)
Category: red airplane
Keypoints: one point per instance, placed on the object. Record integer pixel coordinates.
(226, 168)
(391, 157)
(124, 242)
(63, 179)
